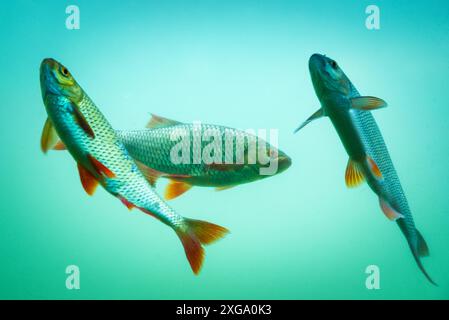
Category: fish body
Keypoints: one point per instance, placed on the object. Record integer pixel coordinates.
(102, 158)
(153, 149)
(368, 155)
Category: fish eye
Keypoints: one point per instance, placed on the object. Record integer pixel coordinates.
(333, 64)
(65, 72)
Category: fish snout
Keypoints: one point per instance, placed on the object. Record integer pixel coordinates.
(49, 62)
(316, 61)
(284, 162)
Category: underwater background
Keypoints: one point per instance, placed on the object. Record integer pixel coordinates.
(298, 235)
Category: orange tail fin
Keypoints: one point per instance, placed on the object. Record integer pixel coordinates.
(194, 235)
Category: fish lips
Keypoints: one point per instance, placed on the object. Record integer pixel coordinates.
(47, 78)
(284, 162)
(316, 63)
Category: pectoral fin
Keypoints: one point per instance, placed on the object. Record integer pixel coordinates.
(87, 180)
(160, 122)
(149, 173)
(175, 189)
(50, 138)
(318, 114)
(82, 122)
(389, 211)
(354, 175)
(367, 103)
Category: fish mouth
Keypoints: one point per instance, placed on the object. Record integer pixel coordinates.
(316, 62)
(47, 65)
(49, 62)
(284, 162)
(46, 76)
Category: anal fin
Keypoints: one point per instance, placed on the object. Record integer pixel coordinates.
(128, 204)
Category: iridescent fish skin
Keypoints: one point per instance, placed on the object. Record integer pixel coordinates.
(102, 158)
(368, 155)
(153, 148)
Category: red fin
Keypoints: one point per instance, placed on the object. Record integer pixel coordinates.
(87, 180)
(128, 204)
(196, 234)
(354, 175)
(100, 168)
(389, 212)
(374, 168)
(148, 212)
(149, 173)
(175, 189)
(59, 146)
(82, 122)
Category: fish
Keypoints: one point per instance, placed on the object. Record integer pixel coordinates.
(152, 147)
(369, 160)
(75, 123)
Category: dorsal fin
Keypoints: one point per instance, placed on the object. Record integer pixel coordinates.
(160, 122)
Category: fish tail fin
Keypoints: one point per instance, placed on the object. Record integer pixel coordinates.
(196, 233)
(423, 249)
(421, 267)
(420, 251)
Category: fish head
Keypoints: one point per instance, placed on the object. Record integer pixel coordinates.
(283, 161)
(329, 81)
(274, 162)
(57, 81)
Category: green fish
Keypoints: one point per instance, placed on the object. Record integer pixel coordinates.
(153, 151)
(369, 159)
(75, 123)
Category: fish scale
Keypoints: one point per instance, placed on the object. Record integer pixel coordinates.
(129, 181)
(368, 155)
(76, 122)
(390, 186)
(152, 147)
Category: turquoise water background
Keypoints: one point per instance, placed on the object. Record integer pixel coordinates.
(298, 235)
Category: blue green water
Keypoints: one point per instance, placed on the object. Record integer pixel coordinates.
(301, 234)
